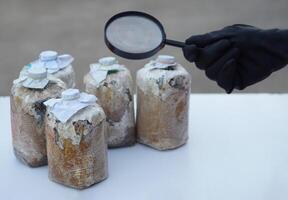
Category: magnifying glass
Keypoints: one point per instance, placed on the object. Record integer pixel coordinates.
(136, 35)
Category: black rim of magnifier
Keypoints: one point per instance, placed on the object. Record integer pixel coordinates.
(135, 55)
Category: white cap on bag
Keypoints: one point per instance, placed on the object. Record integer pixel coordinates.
(48, 55)
(107, 61)
(166, 59)
(70, 94)
(71, 102)
(37, 73)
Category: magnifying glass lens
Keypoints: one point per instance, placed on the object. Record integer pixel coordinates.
(134, 34)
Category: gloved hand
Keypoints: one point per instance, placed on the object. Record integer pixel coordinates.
(239, 55)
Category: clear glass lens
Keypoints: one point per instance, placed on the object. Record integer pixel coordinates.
(134, 34)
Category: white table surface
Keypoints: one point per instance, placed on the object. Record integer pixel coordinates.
(238, 149)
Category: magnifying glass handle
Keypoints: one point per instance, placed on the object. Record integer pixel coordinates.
(175, 43)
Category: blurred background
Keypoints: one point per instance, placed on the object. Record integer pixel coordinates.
(76, 27)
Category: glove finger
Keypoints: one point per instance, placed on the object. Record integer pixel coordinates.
(238, 79)
(208, 38)
(212, 72)
(225, 33)
(251, 72)
(226, 77)
(239, 26)
(190, 52)
(211, 53)
(268, 59)
(202, 40)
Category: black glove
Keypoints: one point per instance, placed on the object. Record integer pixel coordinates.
(238, 56)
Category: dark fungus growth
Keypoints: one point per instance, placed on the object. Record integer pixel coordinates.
(56, 135)
(160, 82)
(81, 125)
(110, 122)
(170, 68)
(177, 82)
(113, 71)
(39, 107)
(127, 91)
(166, 68)
(40, 110)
